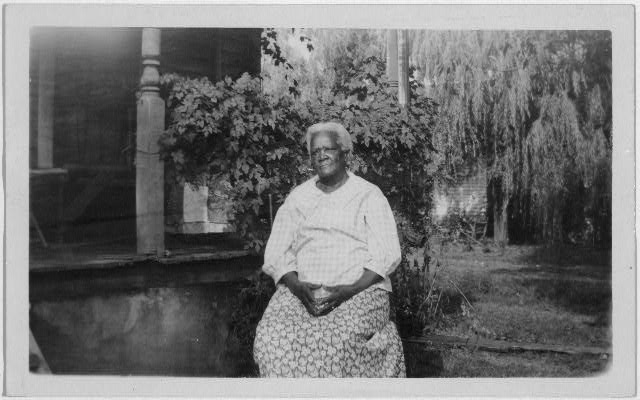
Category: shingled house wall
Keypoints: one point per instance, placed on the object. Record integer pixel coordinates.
(468, 197)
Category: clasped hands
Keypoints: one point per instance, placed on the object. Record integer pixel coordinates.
(318, 307)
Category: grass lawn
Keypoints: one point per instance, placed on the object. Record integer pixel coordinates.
(465, 363)
(524, 294)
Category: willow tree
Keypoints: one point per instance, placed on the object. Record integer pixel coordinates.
(535, 108)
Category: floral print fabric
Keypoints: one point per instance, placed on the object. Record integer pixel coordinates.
(357, 339)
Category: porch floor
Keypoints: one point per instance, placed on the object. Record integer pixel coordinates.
(122, 252)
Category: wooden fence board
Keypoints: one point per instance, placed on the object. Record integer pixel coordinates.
(502, 346)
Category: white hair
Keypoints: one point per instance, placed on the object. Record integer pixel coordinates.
(343, 138)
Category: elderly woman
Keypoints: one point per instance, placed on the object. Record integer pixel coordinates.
(333, 245)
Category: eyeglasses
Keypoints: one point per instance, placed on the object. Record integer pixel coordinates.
(328, 150)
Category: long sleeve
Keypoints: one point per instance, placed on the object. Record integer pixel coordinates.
(382, 235)
(278, 256)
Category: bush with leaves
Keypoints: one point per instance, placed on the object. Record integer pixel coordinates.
(253, 298)
(415, 297)
(231, 130)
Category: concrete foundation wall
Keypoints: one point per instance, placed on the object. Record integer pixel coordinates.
(150, 320)
(166, 331)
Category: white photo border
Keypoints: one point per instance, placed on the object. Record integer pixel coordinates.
(618, 380)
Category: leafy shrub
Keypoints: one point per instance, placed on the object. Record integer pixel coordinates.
(232, 131)
(254, 299)
(414, 301)
(459, 228)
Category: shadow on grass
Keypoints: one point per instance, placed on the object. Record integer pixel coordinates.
(583, 297)
(422, 362)
(467, 363)
(565, 255)
(571, 290)
(566, 272)
(579, 290)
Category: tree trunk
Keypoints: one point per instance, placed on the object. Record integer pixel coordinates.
(500, 216)
(500, 224)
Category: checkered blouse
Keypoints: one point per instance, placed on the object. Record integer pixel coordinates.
(329, 238)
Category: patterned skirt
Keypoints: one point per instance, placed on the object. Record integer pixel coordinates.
(356, 339)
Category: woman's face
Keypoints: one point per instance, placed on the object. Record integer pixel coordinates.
(327, 159)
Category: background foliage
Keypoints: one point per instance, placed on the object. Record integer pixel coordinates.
(535, 108)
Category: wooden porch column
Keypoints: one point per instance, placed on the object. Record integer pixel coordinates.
(46, 91)
(149, 166)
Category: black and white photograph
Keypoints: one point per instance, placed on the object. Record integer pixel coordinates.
(201, 199)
